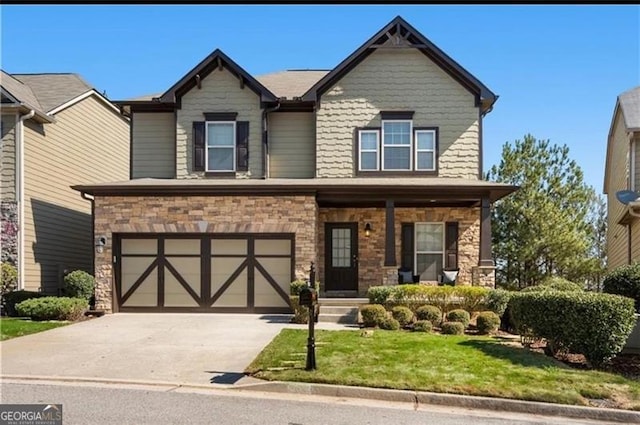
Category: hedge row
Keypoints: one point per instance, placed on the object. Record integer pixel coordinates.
(596, 325)
(52, 308)
(446, 298)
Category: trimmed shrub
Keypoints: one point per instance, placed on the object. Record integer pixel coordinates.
(52, 308)
(389, 324)
(487, 322)
(625, 281)
(554, 283)
(471, 298)
(497, 301)
(422, 326)
(452, 328)
(296, 286)
(300, 312)
(403, 315)
(79, 284)
(10, 300)
(431, 313)
(593, 324)
(379, 294)
(460, 316)
(373, 315)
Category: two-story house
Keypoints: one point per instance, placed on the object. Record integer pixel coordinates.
(240, 182)
(57, 130)
(622, 173)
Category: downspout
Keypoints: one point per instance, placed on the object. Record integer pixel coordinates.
(20, 190)
(265, 138)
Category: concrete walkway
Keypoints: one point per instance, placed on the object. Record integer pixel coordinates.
(179, 348)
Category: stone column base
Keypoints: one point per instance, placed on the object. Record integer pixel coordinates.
(483, 276)
(390, 275)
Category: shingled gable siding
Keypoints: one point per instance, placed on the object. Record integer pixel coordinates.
(371, 249)
(153, 150)
(617, 241)
(181, 214)
(220, 92)
(404, 80)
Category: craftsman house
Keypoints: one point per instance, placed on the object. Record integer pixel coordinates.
(371, 170)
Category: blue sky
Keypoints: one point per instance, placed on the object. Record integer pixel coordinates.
(557, 69)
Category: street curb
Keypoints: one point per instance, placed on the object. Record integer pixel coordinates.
(475, 402)
(343, 391)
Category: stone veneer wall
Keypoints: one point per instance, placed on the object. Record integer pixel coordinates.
(9, 232)
(181, 214)
(371, 249)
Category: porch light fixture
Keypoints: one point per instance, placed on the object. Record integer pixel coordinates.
(367, 229)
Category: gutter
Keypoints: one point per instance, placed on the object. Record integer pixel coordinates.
(93, 229)
(20, 190)
(265, 139)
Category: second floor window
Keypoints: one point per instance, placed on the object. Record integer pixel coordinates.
(397, 146)
(221, 146)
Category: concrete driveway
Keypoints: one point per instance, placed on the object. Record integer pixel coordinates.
(177, 348)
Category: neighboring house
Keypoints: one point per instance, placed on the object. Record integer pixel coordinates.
(622, 172)
(56, 131)
(239, 183)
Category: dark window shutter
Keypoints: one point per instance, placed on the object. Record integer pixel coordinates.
(451, 245)
(198, 146)
(406, 250)
(242, 146)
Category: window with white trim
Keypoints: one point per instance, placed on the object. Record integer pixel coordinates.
(425, 150)
(221, 146)
(429, 250)
(369, 142)
(396, 145)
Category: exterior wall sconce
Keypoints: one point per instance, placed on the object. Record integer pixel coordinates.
(101, 242)
(367, 229)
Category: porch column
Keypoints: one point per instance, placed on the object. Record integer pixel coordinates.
(486, 259)
(390, 236)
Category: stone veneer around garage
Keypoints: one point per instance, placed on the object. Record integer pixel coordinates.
(371, 249)
(181, 214)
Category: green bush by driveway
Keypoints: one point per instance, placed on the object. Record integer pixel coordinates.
(52, 308)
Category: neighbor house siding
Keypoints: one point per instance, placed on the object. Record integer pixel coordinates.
(8, 158)
(617, 234)
(153, 146)
(220, 92)
(88, 143)
(292, 145)
(403, 80)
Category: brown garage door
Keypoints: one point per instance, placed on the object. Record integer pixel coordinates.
(204, 273)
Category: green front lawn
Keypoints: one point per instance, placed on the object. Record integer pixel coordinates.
(11, 328)
(481, 366)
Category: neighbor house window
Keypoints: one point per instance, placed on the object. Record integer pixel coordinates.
(396, 145)
(369, 142)
(221, 146)
(429, 250)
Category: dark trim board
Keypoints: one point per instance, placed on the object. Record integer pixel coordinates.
(162, 264)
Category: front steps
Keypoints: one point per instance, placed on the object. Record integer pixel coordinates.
(340, 310)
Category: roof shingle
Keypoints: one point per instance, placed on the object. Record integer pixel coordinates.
(291, 83)
(53, 90)
(630, 105)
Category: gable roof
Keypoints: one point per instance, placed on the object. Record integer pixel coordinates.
(398, 32)
(292, 83)
(18, 91)
(630, 106)
(53, 90)
(217, 59)
(627, 104)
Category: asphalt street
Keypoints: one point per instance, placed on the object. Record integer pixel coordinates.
(92, 403)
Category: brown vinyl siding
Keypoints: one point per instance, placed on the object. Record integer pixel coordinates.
(292, 145)
(153, 148)
(8, 158)
(617, 236)
(89, 143)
